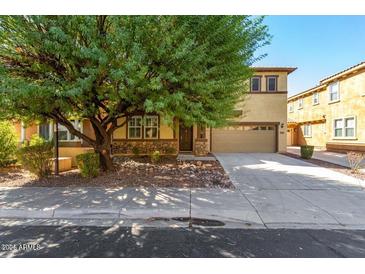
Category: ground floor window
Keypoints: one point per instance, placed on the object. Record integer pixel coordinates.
(45, 130)
(65, 135)
(307, 130)
(135, 127)
(143, 127)
(344, 127)
(151, 127)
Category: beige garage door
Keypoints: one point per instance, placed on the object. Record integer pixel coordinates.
(239, 138)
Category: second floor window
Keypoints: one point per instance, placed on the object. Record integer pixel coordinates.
(300, 103)
(315, 98)
(255, 84)
(271, 83)
(291, 108)
(334, 92)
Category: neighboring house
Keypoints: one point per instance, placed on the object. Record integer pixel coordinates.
(332, 114)
(70, 145)
(259, 126)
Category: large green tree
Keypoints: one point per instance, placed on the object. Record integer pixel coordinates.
(102, 68)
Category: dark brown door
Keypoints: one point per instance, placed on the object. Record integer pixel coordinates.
(186, 138)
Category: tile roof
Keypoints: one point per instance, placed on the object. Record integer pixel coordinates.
(343, 72)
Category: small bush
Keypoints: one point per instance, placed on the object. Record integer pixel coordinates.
(37, 158)
(170, 150)
(354, 159)
(306, 152)
(8, 144)
(135, 150)
(88, 163)
(155, 156)
(36, 140)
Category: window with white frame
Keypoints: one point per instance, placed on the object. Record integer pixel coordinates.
(334, 92)
(315, 98)
(151, 127)
(45, 130)
(291, 107)
(271, 83)
(350, 127)
(338, 127)
(135, 127)
(65, 135)
(300, 103)
(255, 84)
(307, 130)
(344, 127)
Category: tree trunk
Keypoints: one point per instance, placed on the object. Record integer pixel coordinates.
(103, 147)
(106, 162)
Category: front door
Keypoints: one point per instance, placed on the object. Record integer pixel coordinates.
(186, 138)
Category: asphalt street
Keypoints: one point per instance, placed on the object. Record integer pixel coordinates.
(88, 241)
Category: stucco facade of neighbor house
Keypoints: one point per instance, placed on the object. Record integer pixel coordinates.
(331, 115)
(259, 126)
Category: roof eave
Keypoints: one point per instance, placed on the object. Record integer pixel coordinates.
(308, 91)
(343, 73)
(272, 69)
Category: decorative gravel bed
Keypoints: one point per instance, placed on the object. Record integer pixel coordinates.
(332, 166)
(132, 172)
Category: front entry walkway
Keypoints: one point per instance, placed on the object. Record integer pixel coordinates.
(287, 192)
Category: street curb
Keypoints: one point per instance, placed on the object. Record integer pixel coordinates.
(26, 213)
(87, 213)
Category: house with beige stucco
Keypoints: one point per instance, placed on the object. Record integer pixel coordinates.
(331, 115)
(259, 125)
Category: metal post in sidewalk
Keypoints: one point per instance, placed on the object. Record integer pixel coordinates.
(56, 150)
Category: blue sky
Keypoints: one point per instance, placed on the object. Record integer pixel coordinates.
(318, 45)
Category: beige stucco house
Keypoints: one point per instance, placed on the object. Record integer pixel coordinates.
(259, 126)
(332, 114)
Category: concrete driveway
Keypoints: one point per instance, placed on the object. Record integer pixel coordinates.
(290, 193)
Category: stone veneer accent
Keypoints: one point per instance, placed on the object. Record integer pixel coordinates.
(201, 147)
(144, 146)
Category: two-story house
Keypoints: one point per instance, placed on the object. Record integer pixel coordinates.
(332, 114)
(259, 126)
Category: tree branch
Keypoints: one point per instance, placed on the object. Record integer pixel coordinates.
(55, 114)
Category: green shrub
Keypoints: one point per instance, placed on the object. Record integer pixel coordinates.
(155, 156)
(306, 152)
(36, 140)
(170, 150)
(135, 150)
(88, 163)
(37, 158)
(8, 144)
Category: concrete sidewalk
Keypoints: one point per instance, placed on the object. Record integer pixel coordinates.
(272, 191)
(327, 156)
(124, 206)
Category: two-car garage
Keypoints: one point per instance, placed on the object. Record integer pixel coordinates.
(245, 138)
